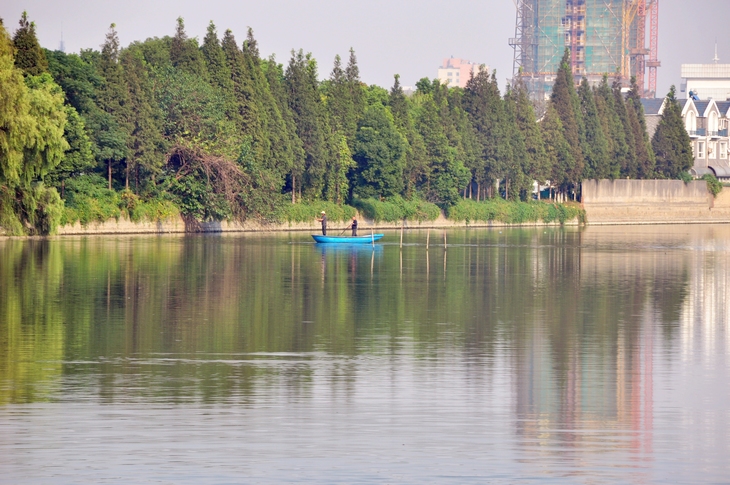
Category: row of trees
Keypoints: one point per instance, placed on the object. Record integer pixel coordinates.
(222, 132)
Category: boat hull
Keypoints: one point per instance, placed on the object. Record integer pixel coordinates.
(347, 239)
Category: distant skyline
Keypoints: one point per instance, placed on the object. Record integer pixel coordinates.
(406, 37)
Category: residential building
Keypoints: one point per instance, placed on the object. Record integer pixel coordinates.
(706, 123)
(456, 72)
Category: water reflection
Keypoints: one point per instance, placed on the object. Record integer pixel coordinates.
(544, 351)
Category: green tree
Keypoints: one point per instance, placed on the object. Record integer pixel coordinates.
(379, 151)
(32, 123)
(613, 130)
(446, 175)
(113, 99)
(557, 150)
(485, 107)
(29, 56)
(275, 77)
(535, 166)
(79, 156)
(671, 142)
(311, 121)
(517, 183)
(145, 144)
(566, 103)
(415, 164)
(645, 159)
(628, 163)
(184, 52)
(595, 147)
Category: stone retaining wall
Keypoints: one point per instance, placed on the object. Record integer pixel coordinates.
(653, 202)
(177, 225)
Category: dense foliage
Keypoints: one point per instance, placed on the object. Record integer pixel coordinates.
(214, 131)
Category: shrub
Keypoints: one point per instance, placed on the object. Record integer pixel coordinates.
(514, 212)
(309, 211)
(88, 200)
(396, 209)
(713, 185)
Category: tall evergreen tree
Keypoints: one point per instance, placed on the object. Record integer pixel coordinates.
(595, 147)
(671, 142)
(535, 165)
(485, 107)
(566, 103)
(275, 78)
(612, 128)
(415, 162)
(249, 115)
(557, 150)
(645, 159)
(517, 184)
(628, 164)
(29, 56)
(278, 160)
(447, 176)
(310, 119)
(145, 144)
(184, 52)
(113, 99)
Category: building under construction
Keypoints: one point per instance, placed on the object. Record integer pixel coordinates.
(602, 36)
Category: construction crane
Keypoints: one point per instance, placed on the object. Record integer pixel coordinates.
(634, 41)
(653, 63)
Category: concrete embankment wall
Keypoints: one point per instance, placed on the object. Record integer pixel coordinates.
(653, 202)
(177, 225)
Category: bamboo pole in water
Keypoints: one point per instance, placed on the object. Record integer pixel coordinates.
(428, 236)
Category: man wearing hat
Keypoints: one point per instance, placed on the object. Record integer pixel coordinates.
(323, 220)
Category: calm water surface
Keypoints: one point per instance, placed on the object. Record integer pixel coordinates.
(598, 355)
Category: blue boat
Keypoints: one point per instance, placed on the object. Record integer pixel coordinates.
(347, 239)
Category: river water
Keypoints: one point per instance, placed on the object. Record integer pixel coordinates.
(538, 355)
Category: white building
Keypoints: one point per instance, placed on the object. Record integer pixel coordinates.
(707, 124)
(706, 81)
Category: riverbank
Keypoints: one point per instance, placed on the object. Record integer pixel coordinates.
(177, 225)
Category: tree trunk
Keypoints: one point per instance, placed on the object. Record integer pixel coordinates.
(293, 189)
(109, 171)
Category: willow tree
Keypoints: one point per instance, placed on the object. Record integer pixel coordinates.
(32, 122)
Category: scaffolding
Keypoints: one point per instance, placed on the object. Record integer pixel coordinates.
(604, 37)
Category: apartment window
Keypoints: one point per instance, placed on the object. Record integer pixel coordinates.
(700, 149)
(723, 150)
(450, 74)
(712, 149)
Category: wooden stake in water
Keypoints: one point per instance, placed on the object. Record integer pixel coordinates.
(401, 235)
(428, 237)
(444, 239)
(372, 237)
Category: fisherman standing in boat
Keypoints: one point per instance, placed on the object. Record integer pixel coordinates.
(323, 220)
(354, 226)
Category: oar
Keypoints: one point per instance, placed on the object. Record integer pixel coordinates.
(343, 231)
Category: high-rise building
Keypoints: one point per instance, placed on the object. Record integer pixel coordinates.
(603, 37)
(456, 72)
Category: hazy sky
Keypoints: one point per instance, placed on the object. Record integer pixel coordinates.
(407, 37)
